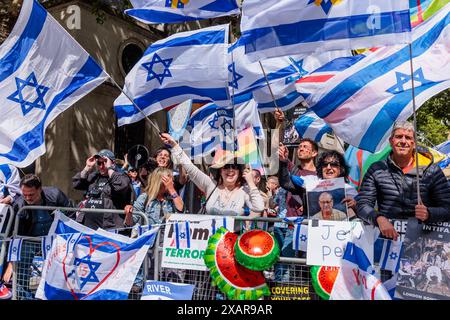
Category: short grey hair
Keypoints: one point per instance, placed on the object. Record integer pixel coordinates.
(406, 125)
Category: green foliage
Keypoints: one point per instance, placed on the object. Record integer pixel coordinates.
(433, 119)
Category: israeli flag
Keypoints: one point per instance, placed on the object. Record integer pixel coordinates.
(43, 71)
(300, 240)
(94, 267)
(46, 245)
(64, 225)
(388, 253)
(309, 125)
(274, 28)
(186, 65)
(177, 11)
(362, 102)
(182, 234)
(15, 248)
(9, 181)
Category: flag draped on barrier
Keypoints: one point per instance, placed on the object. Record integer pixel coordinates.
(186, 65)
(43, 72)
(362, 103)
(281, 27)
(177, 11)
(92, 267)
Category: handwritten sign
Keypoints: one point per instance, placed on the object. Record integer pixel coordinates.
(327, 241)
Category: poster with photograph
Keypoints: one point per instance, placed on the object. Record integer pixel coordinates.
(291, 137)
(325, 200)
(424, 272)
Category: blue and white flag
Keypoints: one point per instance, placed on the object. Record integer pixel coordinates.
(357, 279)
(43, 71)
(15, 248)
(361, 103)
(274, 28)
(300, 240)
(46, 245)
(158, 290)
(94, 267)
(388, 253)
(309, 125)
(182, 234)
(64, 225)
(186, 65)
(9, 182)
(177, 11)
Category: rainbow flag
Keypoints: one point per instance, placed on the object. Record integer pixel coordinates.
(248, 149)
(421, 10)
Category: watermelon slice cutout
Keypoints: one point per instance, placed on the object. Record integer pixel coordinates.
(257, 250)
(323, 279)
(232, 279)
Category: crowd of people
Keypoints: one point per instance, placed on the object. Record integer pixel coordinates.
(388, 190)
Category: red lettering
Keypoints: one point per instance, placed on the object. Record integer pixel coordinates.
(356, 274)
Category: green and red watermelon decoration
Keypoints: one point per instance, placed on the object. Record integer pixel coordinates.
(323, 279)
(257, 250)
(233, 279)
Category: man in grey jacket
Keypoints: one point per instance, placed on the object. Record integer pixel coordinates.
(391, 184)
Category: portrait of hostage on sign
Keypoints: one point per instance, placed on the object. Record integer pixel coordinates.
(325, 201)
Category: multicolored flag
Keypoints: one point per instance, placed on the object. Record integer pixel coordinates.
(273, 28)
(178, 11)
(309, 125)
(186, 65)
(43, 72)
(248, 150)
(362, 103)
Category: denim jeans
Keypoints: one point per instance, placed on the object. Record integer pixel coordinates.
(284, 237)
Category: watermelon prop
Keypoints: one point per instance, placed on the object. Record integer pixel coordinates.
(257, 250)
(234, 280)
(323, 279)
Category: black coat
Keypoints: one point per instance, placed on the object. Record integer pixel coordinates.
(396, 193)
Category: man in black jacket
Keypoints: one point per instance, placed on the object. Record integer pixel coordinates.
(391, 184)
(107, 188)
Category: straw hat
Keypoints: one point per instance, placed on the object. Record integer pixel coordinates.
(220, 160)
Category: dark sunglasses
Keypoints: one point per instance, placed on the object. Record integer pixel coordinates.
(99, 163)
(231, 166)
(334, 164)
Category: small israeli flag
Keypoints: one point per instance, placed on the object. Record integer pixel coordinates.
(300, 241)
(46, 245)
(390, 254)
(182, 234)
(14, 250)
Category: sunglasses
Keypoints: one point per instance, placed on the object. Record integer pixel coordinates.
(100, 163)
(334, 164)
(231, 166)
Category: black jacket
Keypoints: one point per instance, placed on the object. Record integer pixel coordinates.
(52, 197)
(396, 193)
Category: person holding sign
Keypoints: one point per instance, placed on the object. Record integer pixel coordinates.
(392, 185)
(231, 189)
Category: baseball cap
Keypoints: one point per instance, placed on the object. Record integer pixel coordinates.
(105, 153)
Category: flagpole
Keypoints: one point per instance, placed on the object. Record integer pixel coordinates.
(268, 84)
(232, 104)
(419, 198)
(135, 105)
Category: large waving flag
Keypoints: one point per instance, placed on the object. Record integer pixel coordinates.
(43, 71)
(187, 65)
(281, 27)
(92, 266)
(362, 103)
(309, 125)
(357, 279)
(177, 11)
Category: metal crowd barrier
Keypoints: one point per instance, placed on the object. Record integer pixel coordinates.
(6, 222)
(295, 283)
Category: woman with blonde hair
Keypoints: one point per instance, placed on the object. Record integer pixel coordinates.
(159, 199)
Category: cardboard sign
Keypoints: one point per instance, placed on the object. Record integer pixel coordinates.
(186, 238)
(327, 241)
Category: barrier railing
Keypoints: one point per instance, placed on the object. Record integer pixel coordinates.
(288, 279)
(5, 229)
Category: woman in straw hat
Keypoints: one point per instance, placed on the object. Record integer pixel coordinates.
(232, 188)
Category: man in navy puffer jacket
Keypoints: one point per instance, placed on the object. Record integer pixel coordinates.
(391, 184)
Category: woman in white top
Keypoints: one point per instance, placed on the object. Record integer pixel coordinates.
(232, 188)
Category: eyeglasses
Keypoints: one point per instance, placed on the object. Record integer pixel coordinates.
(333, 164)
(231, 166)
(100, 163)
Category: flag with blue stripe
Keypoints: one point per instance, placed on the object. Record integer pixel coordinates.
(178, 11)
(388, 253)
(43, 71)
(92, 267)
(46, 245)
(158, 290)
(15, 248)
(309, 125)
(300, 239)
(274, 28)
(9, 181)
(186, 65)
(362, 103)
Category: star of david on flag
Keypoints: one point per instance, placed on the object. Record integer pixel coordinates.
(92, 266)
(236, 76)
(150, 67)
(405, 79)
(44, 71)
(25, 103)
